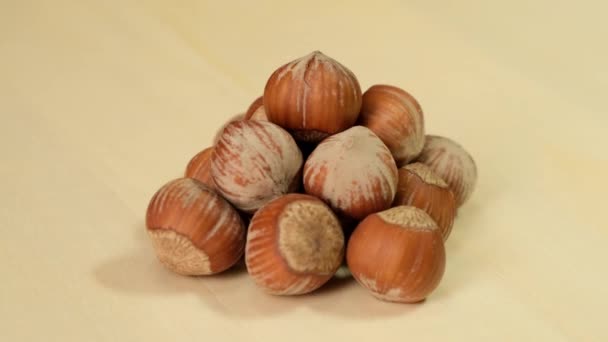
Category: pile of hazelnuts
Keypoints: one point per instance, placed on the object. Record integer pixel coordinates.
(315, 176)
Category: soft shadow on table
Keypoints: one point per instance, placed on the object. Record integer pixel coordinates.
(233, 293)
(342, 296)
(464, 265)
(139, 272)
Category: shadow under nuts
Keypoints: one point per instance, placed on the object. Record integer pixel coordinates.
(314, 165)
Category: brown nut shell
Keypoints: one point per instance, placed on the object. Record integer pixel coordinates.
(396, 117)
(420, 187)
(295, 244)
(193, 230)
(199, 167)
(313, 97)
(398, 254)
(256, 110)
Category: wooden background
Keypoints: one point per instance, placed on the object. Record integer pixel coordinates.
(102, 102)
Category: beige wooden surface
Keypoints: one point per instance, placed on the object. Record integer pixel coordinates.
(103, 102)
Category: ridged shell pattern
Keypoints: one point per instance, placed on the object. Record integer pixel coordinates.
(420, 187)
(265, 261)
(403, 261)
(315, 93)
(199, 167)
(254, 162)
(197, 216)
(397, 118)
(452, 163)
(353, 171)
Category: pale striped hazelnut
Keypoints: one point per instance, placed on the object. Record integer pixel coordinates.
(234, 118)
(254, 162)
(452, 163)
(353, 171)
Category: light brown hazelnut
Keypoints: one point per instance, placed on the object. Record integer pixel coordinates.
(352, 171)
(254, 162)
(452, 163)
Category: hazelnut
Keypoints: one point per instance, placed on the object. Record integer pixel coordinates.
(353, 171)
(396, 117)
(420, 187)
(254, 162)
(193, 230)
(237, 117)
(397, 254)
(313, 96)
(295, 244)
(256, 111)
(199, 167)
(452, 163)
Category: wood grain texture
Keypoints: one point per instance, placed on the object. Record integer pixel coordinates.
(103, 101)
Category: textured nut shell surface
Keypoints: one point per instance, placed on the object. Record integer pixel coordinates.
(193, 229)
(353, 171)
(313, 93)
(420, 187)
(199, 167)
(398, 255)
(397, 118)
(295, 244)
(254, 162)
(452, 163)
